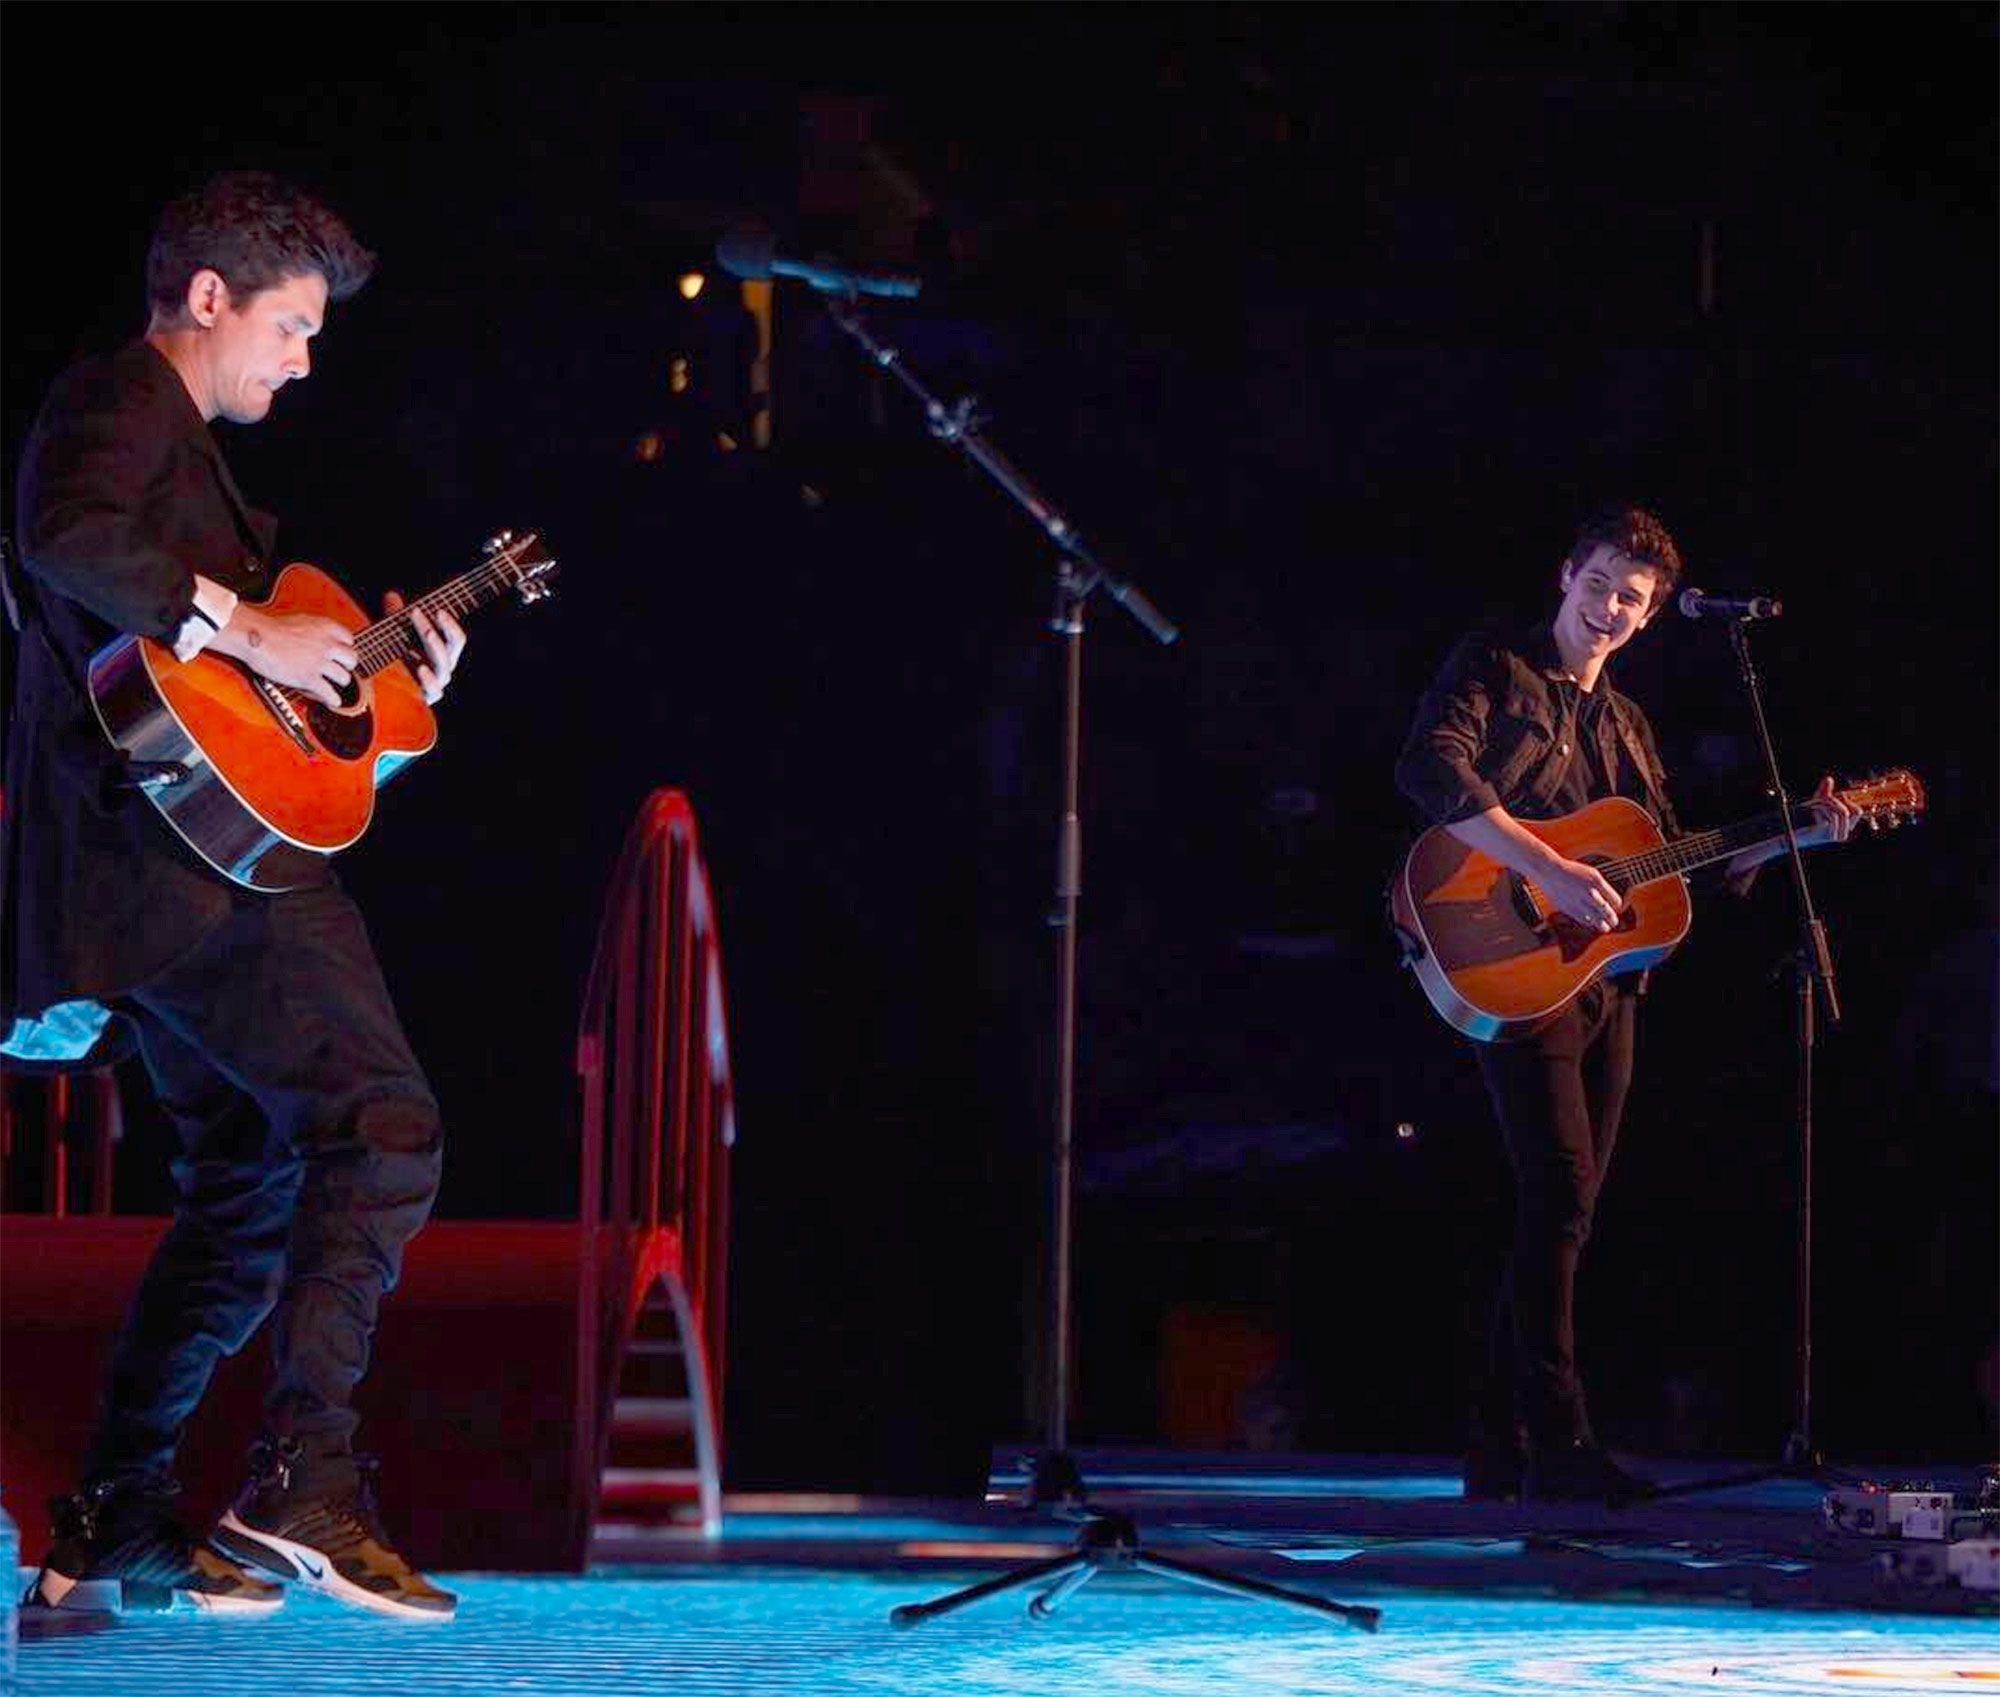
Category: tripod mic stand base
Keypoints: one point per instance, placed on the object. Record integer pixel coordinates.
(1801, 1462)
(1056, 1482)
(1111, 1542)
(1801, 1457)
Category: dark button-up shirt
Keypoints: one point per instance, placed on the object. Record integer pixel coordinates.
(1504, 724)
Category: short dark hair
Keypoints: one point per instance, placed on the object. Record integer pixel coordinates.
(255, 230)
(1639, 536)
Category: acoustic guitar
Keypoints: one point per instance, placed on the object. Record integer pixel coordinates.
(262, 780)
(1499, 961)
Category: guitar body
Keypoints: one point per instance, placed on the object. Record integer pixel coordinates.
(1498, 961)
(275, 779)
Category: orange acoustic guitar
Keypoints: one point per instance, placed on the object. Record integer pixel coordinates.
(262, 780)
(1499, 961)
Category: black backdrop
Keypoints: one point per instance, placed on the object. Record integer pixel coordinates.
(1323, 324)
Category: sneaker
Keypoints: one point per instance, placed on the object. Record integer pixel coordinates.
(1581, 1472)
(328, 1535)
(120, 1550)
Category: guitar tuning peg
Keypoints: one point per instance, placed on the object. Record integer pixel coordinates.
(494, 543)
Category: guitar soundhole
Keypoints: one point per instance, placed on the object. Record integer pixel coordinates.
(345, 736)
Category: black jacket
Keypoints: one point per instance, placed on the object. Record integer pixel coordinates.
(122, 497)
(1494, 730)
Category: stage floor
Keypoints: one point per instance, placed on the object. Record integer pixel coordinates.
(1742, 1590)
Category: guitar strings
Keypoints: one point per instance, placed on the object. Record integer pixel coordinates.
(1665, 859)
(1700, 849)
(1686, 853)
(383, 643)
(388, 640)
(1895, 796)
(462, 594)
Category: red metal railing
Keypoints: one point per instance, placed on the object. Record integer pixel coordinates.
(658, 1122)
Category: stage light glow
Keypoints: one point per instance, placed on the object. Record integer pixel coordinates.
(678, 375)
(692, 283)
(792, 1502)
(710, 1631)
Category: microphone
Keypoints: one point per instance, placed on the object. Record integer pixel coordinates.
(1698, 604)
(751, 252)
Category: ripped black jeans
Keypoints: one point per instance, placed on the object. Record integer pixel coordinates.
(311, 1148)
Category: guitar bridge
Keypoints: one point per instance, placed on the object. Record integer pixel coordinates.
(1527, 901)
(286, 714)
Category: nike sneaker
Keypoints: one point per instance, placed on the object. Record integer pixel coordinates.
(119, 1549)
(313, 1521)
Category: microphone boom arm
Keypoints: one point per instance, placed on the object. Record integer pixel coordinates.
(958, 426)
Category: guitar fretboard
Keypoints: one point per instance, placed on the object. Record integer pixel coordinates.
(389, 640)
(1702, 848)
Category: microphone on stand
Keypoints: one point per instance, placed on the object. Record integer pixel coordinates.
(1699, 604)
(751, 252)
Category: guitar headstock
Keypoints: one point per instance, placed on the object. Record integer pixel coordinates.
(528, 568)
(1887, 800)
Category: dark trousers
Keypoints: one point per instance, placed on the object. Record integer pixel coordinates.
(1559, 1097)
(310, 1153)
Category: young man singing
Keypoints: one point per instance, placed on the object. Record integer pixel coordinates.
(1530, 727)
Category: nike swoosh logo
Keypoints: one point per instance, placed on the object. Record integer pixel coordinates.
(312, 1569)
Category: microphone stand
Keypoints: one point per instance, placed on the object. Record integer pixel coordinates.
(1104, 1541)
(1810, 965)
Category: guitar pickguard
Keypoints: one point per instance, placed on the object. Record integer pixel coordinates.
(1573, 941)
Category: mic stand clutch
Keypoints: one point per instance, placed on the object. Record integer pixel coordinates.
(1811, 969)
(1104, 1541)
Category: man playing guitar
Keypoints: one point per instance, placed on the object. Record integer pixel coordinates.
(1531, 728)
(311, 1142)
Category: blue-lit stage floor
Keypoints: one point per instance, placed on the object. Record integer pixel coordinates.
(1743, 1590)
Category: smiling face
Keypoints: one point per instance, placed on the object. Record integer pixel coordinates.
(1607, 600)
(240, 354)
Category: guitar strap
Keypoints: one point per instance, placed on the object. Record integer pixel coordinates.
(1648, 768)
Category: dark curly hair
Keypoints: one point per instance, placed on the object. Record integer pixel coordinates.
(1639, 536)
(255, 230)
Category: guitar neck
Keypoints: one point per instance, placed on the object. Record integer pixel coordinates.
(1702, 848)
(389, 640)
